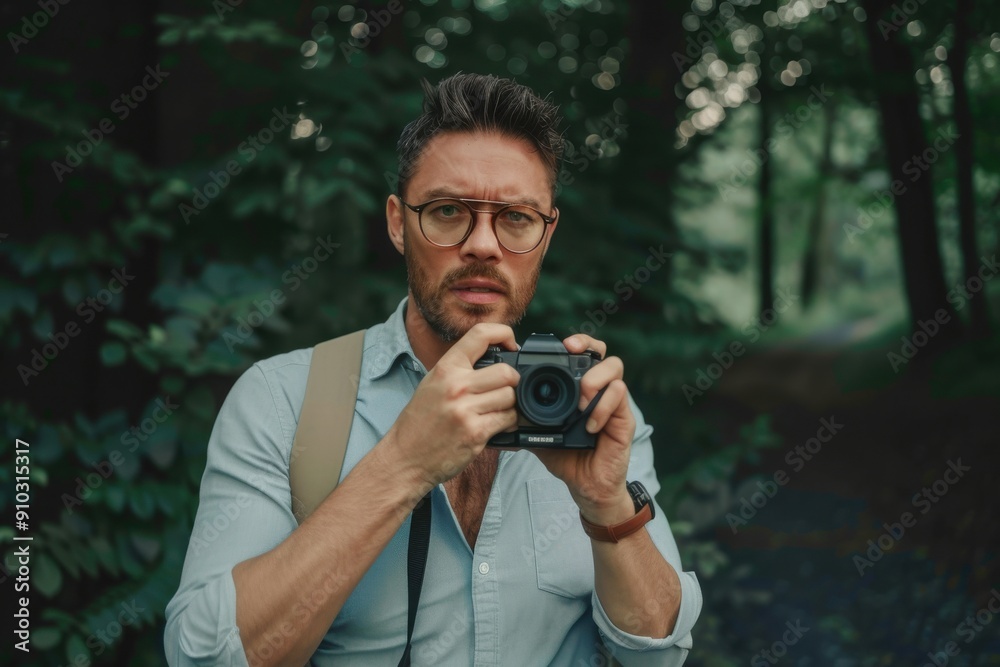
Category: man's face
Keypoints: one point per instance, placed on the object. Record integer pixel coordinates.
(447, 283)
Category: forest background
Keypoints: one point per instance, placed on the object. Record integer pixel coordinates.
(782, 215)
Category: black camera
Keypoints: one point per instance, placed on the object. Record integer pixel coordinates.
(547, 394)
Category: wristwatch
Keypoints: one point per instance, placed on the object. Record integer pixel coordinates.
(644, 513)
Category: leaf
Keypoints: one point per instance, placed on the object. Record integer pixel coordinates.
(13, 297)
(42, 326)
(75, 650)
(47, 446)
(141, 503)
(47, 576)
(115, 498)
(66, 559)
(147, 547)
(162, 450)
(44, 639)
(105, 554)
(124, 329)
(128, 560)
(113, 354)
(88, 561)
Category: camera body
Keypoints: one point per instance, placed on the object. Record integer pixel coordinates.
(547, 394)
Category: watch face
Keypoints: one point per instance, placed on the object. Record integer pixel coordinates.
(640, 497)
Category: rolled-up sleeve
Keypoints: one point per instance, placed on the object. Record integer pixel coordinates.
(634, 650)
(244, 510)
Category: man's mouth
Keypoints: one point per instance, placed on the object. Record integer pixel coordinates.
(477, 291)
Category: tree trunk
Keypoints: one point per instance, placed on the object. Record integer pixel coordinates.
(766, 230)
(957, 57)
(815, 237)
(651, 120)
(905, 143)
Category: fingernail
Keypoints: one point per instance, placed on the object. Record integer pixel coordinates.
(591, 426)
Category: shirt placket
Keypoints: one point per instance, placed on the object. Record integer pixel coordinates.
(485, 588)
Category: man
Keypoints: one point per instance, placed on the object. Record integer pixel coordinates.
(511, 578)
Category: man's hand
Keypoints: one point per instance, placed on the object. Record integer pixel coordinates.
(596, 477)
(456, 408)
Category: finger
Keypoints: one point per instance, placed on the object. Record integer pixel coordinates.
(496, 400)
(613, 402)
(599, 377)
(473, 344)
(502, 420)
(493, 377)
(580, 343)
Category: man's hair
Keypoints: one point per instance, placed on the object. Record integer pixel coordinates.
(482, 103)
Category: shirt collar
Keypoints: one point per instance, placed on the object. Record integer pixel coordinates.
(388, 343)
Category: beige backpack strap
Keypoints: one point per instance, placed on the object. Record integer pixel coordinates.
(325, 422)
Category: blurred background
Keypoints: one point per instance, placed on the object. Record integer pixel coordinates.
(782, 215)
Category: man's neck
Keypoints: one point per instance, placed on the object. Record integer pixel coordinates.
(427, 345)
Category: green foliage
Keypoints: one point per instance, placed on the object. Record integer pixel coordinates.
(181, 331)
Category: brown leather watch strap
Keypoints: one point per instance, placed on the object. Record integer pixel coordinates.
(619, 530)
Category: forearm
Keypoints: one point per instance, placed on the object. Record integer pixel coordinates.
(287, 598)
(639, 590)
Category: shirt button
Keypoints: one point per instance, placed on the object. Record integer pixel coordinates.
(484, 568)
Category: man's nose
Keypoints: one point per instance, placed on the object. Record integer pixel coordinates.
(482, 242)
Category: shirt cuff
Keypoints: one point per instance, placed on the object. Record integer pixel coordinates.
(690, 608)
(209, 635)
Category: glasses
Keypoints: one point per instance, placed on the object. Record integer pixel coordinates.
(447, 222)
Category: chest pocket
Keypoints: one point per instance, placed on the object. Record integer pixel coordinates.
(563, 559)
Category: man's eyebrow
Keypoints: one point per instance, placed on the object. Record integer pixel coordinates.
(435, 193)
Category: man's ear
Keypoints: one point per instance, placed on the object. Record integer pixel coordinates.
(394, 221)
(551, 231)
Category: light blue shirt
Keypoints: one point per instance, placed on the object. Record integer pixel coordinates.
(524, 596)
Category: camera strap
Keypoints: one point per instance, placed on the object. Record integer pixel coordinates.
(585, 413)
(416, 563)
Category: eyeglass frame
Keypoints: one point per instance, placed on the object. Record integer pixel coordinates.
(546, 219)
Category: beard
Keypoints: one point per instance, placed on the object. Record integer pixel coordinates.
(430, 298)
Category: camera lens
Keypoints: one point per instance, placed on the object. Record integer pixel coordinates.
(547, 395)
